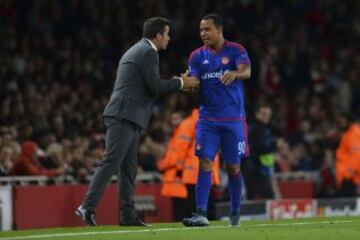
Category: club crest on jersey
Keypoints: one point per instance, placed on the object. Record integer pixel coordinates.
(198, 146)
(225, 60)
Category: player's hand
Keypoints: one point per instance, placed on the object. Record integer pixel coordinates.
(189, 82)
(185, 73)
(228, 77)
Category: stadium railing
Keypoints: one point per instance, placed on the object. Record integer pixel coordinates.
(67, 179)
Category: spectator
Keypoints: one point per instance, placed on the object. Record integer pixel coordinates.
(6, 160)
(28, 164)
(348, 161)
(259, 167)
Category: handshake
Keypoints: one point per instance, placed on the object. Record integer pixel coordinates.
(189, 83)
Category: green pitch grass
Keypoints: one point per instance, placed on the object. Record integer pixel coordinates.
(342, 228)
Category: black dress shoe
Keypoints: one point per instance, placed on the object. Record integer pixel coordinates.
(87, 216)
(133, 222)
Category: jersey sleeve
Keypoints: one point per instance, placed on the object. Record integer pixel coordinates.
(193, 64)
(241, 55)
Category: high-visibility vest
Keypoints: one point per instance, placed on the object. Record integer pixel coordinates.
(180, 158)
(347, 162)
(174, 187)
(173, 163)
(191, 168)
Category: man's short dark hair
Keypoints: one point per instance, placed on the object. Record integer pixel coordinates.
(260, 105)
(218, 22)
(153, 26)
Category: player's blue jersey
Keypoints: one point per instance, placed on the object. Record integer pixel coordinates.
(218, 101)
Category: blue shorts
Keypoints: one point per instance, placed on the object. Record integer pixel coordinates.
(230, 137)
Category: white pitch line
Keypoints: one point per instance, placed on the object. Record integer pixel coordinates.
(55, 235)
(300, 223)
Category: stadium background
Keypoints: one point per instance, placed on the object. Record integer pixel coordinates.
(58, 63)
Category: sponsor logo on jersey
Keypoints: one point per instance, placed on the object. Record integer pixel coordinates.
(218, 74)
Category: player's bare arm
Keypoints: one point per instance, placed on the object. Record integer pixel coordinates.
(243, 72)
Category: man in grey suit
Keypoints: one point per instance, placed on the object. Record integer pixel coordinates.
(127, 113)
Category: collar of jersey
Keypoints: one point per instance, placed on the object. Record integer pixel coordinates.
(217, 52)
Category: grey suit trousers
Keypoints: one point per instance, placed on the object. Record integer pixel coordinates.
(120, 157)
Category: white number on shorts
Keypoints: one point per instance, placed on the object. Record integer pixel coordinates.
(241, 147)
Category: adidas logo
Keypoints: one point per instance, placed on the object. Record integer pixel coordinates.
(205, 61)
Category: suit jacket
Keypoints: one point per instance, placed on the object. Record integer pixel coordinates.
(137, 83)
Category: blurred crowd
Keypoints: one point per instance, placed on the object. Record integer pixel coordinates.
(59, 58)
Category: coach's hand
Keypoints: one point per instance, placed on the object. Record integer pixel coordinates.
(189, 82)
(228, 77)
